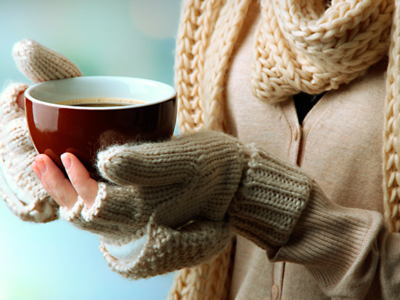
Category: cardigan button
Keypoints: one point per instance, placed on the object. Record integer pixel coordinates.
(275, 292)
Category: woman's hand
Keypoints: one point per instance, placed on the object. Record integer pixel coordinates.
(65, 192)
(22, 191)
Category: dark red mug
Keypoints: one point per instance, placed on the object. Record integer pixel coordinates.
(84, 131)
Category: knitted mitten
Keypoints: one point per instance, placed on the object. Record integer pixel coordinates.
(173, 198)
(29, 200)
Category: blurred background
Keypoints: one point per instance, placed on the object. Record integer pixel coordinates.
(120, 37)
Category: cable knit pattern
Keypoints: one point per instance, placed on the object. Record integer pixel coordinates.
(197, 24)
(270, 200)
(391, 153)
(17, 152)
(221, 46)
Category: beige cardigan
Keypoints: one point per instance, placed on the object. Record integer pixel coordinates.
(340, 146)
(340, 247)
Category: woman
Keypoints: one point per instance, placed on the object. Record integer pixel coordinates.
(314, 232)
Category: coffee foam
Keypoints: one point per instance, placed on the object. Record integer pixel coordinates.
(101, 101)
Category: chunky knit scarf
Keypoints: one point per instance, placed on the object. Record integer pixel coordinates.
(300, 45)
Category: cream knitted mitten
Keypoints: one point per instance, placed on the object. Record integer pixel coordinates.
(176, 195)
(29, 200)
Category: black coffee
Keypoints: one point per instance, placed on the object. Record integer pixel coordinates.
(101, 102)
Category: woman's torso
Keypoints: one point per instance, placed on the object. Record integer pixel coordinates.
(339, 145)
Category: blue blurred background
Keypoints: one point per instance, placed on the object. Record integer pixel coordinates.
(120, 37)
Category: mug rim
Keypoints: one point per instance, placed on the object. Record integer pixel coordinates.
(32, 88)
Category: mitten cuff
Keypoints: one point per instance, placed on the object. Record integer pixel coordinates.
(165, 250)
(269, 201)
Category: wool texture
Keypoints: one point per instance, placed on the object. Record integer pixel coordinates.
(189, 183)
(198, 276)
(17, 152)
(16, 156)
(195, 176)
(197, 25)
(391, 151)
(300, 46)
(40, 63)
(168, 250)
(270, 200)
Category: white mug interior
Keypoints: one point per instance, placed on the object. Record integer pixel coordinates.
(144, 90)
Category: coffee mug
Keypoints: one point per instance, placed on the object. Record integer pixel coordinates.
(84, 115)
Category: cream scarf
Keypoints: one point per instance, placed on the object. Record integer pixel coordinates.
(300, 45)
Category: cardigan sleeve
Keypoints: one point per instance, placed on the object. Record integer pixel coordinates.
(348, 251)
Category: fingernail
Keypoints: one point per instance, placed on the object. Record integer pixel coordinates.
(36, 171)
(41, 165)
(66, 161)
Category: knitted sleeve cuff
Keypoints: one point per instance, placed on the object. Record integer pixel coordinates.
(164, 250)
(335, 243)
(269, 201)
